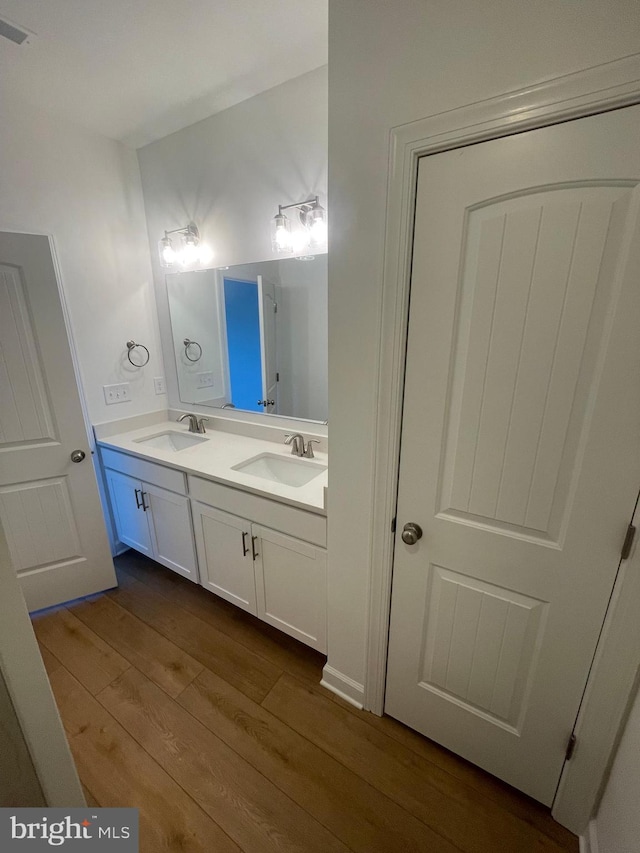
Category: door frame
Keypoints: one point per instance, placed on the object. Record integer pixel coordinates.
(602, 88)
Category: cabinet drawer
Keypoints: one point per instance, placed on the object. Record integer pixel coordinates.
(271, 513)
(159, 475)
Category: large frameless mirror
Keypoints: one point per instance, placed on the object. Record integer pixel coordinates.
(253, 337)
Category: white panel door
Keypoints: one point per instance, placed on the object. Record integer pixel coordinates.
(520, 457)
(225, 555)
(49, 506)
(171, 530)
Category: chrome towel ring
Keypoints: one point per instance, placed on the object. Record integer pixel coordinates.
(131, 346)
(189, 343)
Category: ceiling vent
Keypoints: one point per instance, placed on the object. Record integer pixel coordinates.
(12, 33)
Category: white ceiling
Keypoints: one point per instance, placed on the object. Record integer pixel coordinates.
(136, 70)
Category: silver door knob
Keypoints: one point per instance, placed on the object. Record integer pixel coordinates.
(77, 455)
(411, 533)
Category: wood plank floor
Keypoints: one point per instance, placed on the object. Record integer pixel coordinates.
(214, 725)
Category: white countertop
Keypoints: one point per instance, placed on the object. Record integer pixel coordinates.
(214, 459)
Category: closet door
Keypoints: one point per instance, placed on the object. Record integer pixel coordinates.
(519, 458)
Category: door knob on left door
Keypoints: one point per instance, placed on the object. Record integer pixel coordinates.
(77, 455)
(411, 533)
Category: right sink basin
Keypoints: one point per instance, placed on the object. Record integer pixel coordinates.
(289, 470)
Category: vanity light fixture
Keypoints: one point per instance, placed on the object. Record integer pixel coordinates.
(191, 251)
(299, 241)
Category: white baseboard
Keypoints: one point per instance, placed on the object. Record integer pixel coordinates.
(343, 686)
(589, 841)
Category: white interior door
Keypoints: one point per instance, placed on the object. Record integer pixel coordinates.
(49, 506)
(268, 310)
(520, 435)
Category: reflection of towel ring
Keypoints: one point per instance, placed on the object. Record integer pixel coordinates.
(188, 343)
(131, 345)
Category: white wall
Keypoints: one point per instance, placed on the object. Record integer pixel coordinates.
(617, 826)
(389, 64)
(85, 190)
(303, 353)
(228, 174)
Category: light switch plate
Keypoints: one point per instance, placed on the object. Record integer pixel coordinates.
(158, 384)
(117, 393)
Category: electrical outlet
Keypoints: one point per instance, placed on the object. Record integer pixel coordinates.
(205, 379)
(117, 393)
(158, 384)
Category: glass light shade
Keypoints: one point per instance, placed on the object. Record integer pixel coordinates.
(168, 256)
(190, 253)
(281, 234)
(317, 223)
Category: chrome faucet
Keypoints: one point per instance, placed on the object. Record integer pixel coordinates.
(196, 424)
(193, 422)
(308, 451)
(298, 446)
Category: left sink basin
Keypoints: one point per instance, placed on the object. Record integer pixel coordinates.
(171, 440)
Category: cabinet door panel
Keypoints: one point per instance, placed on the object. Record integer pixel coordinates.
(291, 586)
(131, 521)
(224, 569)
(171, 534)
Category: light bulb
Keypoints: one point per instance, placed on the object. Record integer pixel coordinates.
(282, 237)
(168, 255)
(281, 234)
(317, 222)
(190, 253)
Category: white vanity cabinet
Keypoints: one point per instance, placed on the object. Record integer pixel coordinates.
(265, 556)
(151, 511)
(132, 525)
(278, 577)
(291, 585)
(224, 552)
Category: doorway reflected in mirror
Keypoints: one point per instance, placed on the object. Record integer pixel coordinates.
(253, 337)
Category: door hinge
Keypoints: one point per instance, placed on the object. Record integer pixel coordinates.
(628, 542)
(571, 748)
(393, 525)
(277, 377)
